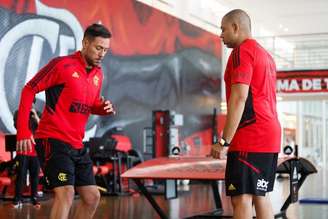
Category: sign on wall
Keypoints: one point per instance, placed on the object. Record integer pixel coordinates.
(312, 81)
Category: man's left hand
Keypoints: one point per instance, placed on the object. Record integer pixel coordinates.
(108, 107)
(218, 151)
(104, 107)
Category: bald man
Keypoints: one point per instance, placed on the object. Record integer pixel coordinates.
(251, 135)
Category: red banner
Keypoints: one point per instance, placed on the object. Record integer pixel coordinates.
(312, 81)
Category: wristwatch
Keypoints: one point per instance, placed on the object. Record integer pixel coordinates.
(223, 142)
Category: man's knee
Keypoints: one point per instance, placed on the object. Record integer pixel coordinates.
(64, 194)
(91, 198)
(244, 200)
(261, 200)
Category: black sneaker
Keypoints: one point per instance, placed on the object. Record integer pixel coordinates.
(16, 204)
(35, 202)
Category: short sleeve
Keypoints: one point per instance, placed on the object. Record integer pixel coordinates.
(242, 66)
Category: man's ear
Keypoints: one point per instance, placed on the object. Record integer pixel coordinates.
(235, 27)
(85, 42)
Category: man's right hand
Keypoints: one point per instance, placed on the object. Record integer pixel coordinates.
(25, 145)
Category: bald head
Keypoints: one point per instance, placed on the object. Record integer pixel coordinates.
(236, 27)
(240, 17)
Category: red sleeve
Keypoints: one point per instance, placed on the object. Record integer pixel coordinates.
(47, 77)
(25, 105)
(242, 62)
(98, 106)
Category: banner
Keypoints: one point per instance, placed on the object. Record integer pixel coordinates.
(311, 81)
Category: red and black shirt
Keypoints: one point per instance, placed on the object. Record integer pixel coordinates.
(259, 129)
(72, 94)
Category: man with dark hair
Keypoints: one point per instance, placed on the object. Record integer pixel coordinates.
(97, 30)
(72, 85)
(251, 134)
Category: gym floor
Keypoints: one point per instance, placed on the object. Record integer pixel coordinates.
(192, 199)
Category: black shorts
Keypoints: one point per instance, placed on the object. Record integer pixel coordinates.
(250, 173)
(63, 165)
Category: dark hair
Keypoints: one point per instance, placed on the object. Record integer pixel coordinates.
(97, 30)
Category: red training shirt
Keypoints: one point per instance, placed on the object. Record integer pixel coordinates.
(259, 129)
(72, 95)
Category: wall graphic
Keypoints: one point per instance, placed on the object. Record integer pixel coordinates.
(306, 81)
(156, 62)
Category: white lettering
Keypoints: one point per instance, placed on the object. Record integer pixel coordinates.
(314, 84)
(262, 184)
(294, 85)
(282, 85)
(306, 84)
(317, 84)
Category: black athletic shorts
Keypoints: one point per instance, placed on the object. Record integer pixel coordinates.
(63, 165)
(250, 173)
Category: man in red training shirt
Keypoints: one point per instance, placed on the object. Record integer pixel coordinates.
(252, 131)
(72, 85)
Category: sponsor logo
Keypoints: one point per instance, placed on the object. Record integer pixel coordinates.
(231, 187)
(262, 185)
(77, 107)
(62, 177)
(75, 75)
(96, 81)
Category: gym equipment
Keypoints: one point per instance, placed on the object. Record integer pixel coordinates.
(298, 169)
(215, 134)
(10, 144)
(5, 180)
(166, 143)
(166, 132)
(212, 170)
(288, 150)
(112, 154)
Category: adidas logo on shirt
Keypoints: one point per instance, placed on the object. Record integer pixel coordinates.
(75, 75)
(231, 187)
